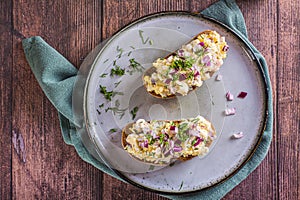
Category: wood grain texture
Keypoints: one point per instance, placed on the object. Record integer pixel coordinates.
(288, 105)
(5, 99)
(52, 170)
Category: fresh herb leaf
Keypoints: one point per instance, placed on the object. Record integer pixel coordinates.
(182, 129)
(112, 130)
(129, 53)
(175, 77)
(99, 113)
(103, 75)
(161, 138)
(151, 167)
(135, 66)
(180, 186)
(190, 76)
(107, 94)
(120, 51)
(194, 142)
(142, 37)
(117, 83)
(101, 106)
(116, 110)
(117, 71)
(134, 111)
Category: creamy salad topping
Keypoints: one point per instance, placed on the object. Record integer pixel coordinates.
(162, 142)
(189, 66)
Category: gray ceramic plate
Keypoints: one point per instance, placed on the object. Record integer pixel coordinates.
(133, 49)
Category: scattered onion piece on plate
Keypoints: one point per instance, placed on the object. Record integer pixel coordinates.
(219, 77)
(238, 135)
(229, 111)
(242, 95)
(229, 96)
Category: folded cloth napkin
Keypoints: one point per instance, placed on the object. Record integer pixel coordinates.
(56, 76)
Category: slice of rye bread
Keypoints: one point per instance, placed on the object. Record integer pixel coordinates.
(152, 70)
(126, 132)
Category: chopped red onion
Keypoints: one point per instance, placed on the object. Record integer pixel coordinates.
(177, 149)
(153, 81)
(198, 141)
(242, 95)
(196, 74)
(201, 44)
(219, 77)
(182, 77)
(229, 96)
(146, 144)
(229, 111)
(238, 135)
(208, 64)
(180, 52)
(225, 48)
(173, 130)
(168, 81)
(206, 59)
(194, 132)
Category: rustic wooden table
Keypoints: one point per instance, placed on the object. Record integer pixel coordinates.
(52, 169)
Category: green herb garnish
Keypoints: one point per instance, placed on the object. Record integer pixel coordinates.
(161, 138)
(116, 110)
(117, 71)
(182, 129)
(108, 94)
(135, 66)
(120, 50)
(103, 75)
(190, 76)
(99, 113)
(181, 64)
(194, 142)
(142, 37)
(101, 105)
(134, 111)
(117, 83)
(112, 130)
(180, 186)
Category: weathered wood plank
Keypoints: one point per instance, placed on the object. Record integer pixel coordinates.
(5, 99)
(288, 105)
(52, 169)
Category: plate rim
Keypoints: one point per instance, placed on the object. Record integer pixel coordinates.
(255, 59)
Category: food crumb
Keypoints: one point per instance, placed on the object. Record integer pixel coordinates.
(238, 135)
(242, 95)
(229, 111)
(219, 77)
(229, 96)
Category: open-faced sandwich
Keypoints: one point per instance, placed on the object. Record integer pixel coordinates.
(161, 142)
(187, 68)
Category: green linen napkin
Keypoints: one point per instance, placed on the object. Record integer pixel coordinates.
(56, 76)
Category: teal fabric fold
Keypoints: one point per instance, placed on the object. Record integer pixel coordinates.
(56, 76)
